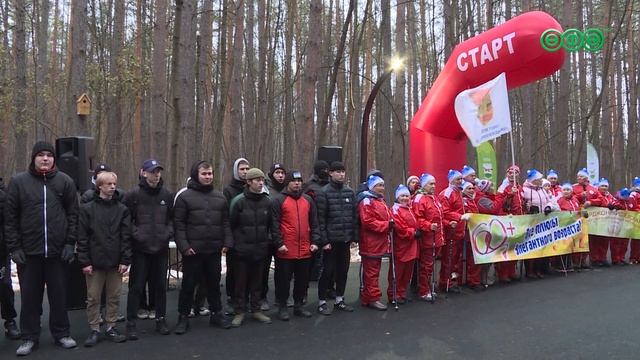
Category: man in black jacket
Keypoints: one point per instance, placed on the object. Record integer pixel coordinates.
(250, 218)
(203, 234)
(150, 204)
(40, 233)
(336, 215)
(6, 289)
(104, 252)
(235, 188)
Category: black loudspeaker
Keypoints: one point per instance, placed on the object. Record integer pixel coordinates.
(74, 157)
(330, 153)
(76, 287)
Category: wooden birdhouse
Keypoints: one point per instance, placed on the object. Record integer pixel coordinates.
(83, 105)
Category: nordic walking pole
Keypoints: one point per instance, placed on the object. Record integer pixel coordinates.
(450, 275)
(394, 288)
(433, 273)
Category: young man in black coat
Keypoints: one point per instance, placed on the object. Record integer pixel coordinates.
(41, 218)
(104, 252)
(6, 289)
(203, 235)
(250, 218)
(150, 204)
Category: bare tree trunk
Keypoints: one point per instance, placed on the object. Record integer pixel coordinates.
(305, 129)
(42, 124)
(204, 74)
(632, 81)
(251, 131)
(398, 116)
(237, 147)
(76, 63)
(159, 82)
(288, 78)
(137, 117)
(20, 122)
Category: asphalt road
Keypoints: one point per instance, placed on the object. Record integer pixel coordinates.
(587, 315)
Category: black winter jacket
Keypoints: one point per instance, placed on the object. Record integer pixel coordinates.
(104, 234)
(151, 223)
(337, 210)
(201, 218)
(314, 186)
(41, 213)
(250, 218)
(235, 188)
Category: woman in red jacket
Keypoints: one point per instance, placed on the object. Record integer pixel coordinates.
(405, 246)
(375, 222)
(473, 270)
(619, 246)
(429, 214)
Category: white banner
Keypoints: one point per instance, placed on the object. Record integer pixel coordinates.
(593, 164)
(483, 112)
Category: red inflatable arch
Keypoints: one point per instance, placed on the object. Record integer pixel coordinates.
(437, 143)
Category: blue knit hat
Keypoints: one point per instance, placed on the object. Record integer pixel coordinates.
(402, 190)
(625, 193)
(453, 174)
(603, 182)
(533, 175)
(425, 178)
(583, 172)
(552, 174)
(567, 186)
(467, 170)
(373, 180)
(636, 182)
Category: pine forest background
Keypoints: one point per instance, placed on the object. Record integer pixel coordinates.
(272, 80)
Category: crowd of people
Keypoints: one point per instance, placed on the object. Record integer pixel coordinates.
(308, 228)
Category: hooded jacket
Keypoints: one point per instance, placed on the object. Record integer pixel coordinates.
(406, 244)
(374, 225)
(250, 219)
(201, 217)
(104, 234)
(236, 186)
(41, 213)
(294, 224)
(428, 210)
(151, 223)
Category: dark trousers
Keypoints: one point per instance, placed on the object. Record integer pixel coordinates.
(248, 279)
(201, 295)
(6, 293)
(285, 269)
(195, 267)
(33, 275)
(335, 265)
(265, 277)
(154, 268)
(229, 280)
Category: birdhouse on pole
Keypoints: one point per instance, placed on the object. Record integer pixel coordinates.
(83, 105)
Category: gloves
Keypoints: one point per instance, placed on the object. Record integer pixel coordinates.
(585, 214)
(67, 254)
(418, 234)
(611, 206)
(547, 210)
(19, 257)
(465, 217)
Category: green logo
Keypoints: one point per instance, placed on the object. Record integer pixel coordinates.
(591, 40)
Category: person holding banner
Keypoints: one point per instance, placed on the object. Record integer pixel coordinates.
(599, 245)
(453, 208)
(407, 235)
(552, 177)
(510, 196)
(634, 252)
(474, 271)
(568, 202)
(587, 195)
(619, 246)
(536, 201)
(430, 215)
(375, 225)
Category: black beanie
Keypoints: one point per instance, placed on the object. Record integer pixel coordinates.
(291, 175)
(319, 167)
(275, 167)
(337, 165)
(42, 146)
